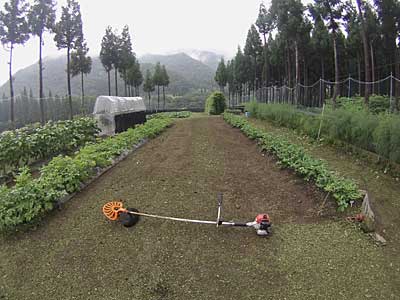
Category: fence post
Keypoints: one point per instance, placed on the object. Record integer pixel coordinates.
(391, 94)
(349, 91)
(320, 91)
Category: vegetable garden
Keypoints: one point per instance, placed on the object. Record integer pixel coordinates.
(180, 173)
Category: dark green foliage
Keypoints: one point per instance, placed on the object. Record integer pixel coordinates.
(294, 157)
(148, 86)
(106, 53)
(221, 75)
(31, 198)
(215, 104)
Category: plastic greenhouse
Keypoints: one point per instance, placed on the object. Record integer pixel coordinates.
(117, 114)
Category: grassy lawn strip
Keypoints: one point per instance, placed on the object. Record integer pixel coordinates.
(30, 198)
(31, 143)
(293, 156)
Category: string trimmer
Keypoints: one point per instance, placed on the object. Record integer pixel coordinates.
(128, 217)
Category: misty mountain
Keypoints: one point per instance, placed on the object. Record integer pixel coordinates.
(187, 75)
(208, 58)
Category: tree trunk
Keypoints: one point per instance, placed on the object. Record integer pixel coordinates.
(12, 117)
(366, 54)
(41, 96)
(163, 91)
(82, 94)
(296, 48)
(359, 73)
(71, 113)
(265, 75)
(158, 97)
(372, 67)
(109, 82)
(289, 74)
(322, 68)
(116, 81)
(149, 94)
(336, 86)
(255, 78)
(397, 83)
(126, 86)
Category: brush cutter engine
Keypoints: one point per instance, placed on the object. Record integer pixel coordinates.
(262, 225)
(115, 211)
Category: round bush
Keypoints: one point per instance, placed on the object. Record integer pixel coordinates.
(215, 104)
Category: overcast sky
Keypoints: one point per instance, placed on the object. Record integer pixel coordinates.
(156, 26)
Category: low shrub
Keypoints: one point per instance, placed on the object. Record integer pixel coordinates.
(30, 198)
(293, 156)
(215, 104)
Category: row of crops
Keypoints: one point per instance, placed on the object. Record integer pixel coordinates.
(294, 157)
(378, 133)
(31, 197)
(32, 143)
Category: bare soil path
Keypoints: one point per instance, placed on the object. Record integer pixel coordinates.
(77, 254)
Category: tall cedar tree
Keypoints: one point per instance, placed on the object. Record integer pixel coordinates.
(165, 82)
(320, 40)
(289, 19)
(81, 64)
(374, 37)
(148, 86)
(116, 57)
(361, 12)
(221, 76)
(158, 81)
(129, 75)
(125, 53)
(14, 30)
(253, 49)
(68, 33)
(42, 16)
(388, 14)
(264, 25)
(240, 71)
(332, 12)
(135, 77)
(106, 54)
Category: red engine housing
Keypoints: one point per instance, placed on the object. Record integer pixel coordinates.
(262, 218)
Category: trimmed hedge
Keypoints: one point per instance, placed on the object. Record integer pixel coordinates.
(294, 157)
(360, 128)
(30, 198)
(215, 104)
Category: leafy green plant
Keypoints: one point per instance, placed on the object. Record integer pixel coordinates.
(294, 157)
(172, 115)
(31, 198)
(31, 143)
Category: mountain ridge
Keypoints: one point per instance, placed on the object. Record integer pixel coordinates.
(187, 75)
